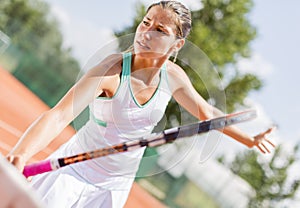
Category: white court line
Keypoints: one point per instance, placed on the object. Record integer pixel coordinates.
(17, 133)
(10, 129)
(5, 146)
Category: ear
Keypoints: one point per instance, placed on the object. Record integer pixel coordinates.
(179, 43)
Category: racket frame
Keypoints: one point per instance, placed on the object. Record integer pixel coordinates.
(153, 140)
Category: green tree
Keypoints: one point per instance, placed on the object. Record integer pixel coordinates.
(221, 29)
(268, 178)
(42, 63)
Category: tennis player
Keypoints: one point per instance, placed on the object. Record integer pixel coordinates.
(127, 95)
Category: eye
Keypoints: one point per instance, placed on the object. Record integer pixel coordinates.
(146, 23)
(162, 31)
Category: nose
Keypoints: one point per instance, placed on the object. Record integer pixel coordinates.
(146, 35)
(149, 31)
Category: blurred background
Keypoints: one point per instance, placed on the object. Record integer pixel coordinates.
(248, 50)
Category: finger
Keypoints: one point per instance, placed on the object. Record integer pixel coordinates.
(271, 143)
(260, 149)
(18, 163)
(15, 161)
(270, 130)
(10, 158)
(266, 149)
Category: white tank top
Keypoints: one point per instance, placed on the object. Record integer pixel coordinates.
(120, 119)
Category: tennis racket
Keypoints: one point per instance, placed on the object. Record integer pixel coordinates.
(153, 140)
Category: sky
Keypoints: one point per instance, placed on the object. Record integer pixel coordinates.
(277, 45)
(88, 25)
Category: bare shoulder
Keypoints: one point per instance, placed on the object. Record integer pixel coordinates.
(177, 77)
(107, 75)
(175, 72)
(109, 66)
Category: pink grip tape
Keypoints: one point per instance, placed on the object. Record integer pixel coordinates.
(37, 168)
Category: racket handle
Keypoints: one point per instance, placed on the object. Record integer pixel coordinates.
(37, 168)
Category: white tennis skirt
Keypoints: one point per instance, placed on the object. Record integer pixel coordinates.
(84, 184)
(64, 188)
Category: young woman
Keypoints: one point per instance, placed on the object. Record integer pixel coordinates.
(127, 95)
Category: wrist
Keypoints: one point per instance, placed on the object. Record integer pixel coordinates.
(17, 160)
(250, 142)
(23, 155)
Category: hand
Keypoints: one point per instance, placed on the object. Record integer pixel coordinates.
(14, 189)
(261, 139)
(17, 161)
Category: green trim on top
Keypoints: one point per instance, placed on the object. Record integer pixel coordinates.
(126, 68)
(98, 121)
(163, 70)
(124, 74)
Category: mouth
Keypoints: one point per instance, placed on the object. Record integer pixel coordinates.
(142, 45)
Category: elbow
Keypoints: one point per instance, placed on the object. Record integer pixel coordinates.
(210, 112)
(55, 118)
(207, 113)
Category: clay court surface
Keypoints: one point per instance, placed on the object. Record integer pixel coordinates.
(20, 107)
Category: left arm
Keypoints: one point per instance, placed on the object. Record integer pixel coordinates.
(186, 95)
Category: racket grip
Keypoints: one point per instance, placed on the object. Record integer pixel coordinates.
(37, 168)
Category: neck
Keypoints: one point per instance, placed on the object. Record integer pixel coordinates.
(147, 69)
(139, 62)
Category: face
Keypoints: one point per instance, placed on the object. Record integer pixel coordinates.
(155, 36)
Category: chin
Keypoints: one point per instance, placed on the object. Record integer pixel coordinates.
(149, 54)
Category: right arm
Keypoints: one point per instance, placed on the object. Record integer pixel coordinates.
(104, 77)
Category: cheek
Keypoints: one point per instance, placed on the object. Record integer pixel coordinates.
(139, 27)
(165, 44)
(138, 32)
